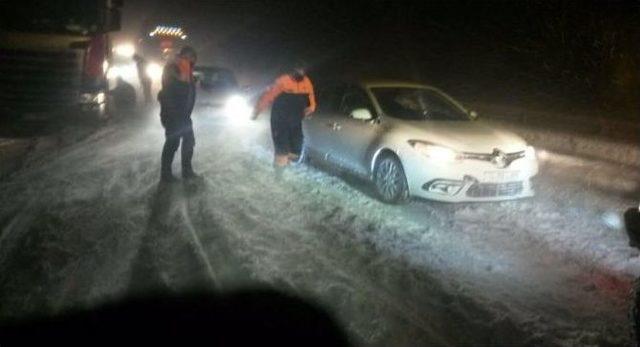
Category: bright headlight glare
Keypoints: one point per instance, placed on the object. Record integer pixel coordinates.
(435, 152)
(126, 50)
(237, 107)
(100, 98)
(530, 152)
(126, 71)
(154, 71)
(113, 72)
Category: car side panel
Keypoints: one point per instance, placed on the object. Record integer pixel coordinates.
(354, 141)
(318, 133)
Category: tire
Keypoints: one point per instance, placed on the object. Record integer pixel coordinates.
(390, 180)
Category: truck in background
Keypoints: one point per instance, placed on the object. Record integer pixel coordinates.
(159, 43)
(54, 55)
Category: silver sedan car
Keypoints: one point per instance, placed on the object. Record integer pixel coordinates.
(414, 140)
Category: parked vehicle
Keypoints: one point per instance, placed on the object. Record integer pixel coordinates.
(54, 55)
(216, 86)
(414, 140)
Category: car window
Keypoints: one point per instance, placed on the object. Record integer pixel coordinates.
(418, 104)
(329, 98)
(355, 98)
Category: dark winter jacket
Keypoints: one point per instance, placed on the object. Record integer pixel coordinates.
(178, 94)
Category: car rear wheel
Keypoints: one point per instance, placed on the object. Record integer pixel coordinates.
(390, 181)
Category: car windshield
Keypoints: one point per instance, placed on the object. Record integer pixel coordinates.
(417, 104)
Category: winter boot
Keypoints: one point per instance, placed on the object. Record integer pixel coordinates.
(190, 175)
(168, 178)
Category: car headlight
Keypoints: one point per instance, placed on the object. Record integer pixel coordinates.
(237, 107)
(154, 71)
(435, 152)
(530, 152)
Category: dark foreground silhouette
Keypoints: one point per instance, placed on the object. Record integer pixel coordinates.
(252, 317)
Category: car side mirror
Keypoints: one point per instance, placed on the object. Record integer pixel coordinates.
(361, 114)
(474, 115)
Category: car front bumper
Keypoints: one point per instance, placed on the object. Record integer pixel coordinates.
(469, 180)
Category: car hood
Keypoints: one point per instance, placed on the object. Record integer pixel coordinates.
(463, 136)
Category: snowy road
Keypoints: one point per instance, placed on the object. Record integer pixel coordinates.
(90, 224)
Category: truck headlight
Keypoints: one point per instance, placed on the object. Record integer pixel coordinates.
(435, 152)
(126, 50)
(100, 98)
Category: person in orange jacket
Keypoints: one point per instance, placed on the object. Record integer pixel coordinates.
(292, 99)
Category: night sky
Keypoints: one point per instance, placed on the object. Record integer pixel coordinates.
(583, 51)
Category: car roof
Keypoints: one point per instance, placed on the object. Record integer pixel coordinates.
(377, 83)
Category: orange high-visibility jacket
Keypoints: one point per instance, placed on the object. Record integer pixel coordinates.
(286, 84)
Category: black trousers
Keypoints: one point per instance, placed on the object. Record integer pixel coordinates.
(286, 132)
(175, 134)
(286, 122)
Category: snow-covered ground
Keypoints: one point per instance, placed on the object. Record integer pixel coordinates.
(90, 224)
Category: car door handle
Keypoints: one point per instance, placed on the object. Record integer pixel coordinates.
(334, 126)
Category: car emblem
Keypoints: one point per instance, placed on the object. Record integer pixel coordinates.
(499, 159)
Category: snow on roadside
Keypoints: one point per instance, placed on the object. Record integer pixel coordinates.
(585, 135)
(587, 146)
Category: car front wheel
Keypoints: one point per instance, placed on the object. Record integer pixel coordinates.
(390, 180)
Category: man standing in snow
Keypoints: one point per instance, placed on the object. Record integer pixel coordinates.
(293, 99)
(177, 99)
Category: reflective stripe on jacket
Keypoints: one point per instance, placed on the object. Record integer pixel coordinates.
(286, 84)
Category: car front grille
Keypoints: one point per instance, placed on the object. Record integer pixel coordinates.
(498, 158)
(488, 190)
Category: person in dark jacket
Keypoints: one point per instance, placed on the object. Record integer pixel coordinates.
(293, 99)
(177, 99)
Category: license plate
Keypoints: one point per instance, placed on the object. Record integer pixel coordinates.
(501, 176)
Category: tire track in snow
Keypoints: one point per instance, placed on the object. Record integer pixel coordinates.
(199, 249)
(237, 221)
